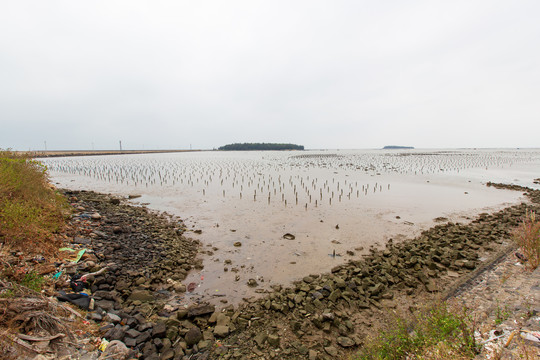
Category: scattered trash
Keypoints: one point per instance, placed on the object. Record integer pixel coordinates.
(191, 287)
(531, 335)
(78, 283)
(510, 338)
(57, 275)
(520, 256)
(83, 301)
(103, 345)
(289, 236)
(492, 339)
(79, 256)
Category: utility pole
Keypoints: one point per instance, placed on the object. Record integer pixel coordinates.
(120, 145)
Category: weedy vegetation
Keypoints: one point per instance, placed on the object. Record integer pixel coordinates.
(31, 211)
(527, 237)
(434, 332)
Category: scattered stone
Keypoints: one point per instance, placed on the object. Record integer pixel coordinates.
(141, 295)
(82, 241)
(199, 310)
(221, 331)
(345, 341)
(273, 340)
(332, 351)
(193, 336)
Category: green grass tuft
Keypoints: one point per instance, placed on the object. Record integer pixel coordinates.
(429, 332)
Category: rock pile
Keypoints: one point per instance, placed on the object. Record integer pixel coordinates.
(319, 317)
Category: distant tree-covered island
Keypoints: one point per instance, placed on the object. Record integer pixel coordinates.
(260, 146)
(387, 147)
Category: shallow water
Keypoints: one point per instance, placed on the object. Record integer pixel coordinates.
(331, 201)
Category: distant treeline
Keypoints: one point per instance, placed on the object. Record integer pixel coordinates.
(397, 147)
(261, 146)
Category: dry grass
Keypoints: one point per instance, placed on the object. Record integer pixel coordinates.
(31, 211)
(527, 237)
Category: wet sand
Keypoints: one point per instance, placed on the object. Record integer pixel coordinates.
(376, 206)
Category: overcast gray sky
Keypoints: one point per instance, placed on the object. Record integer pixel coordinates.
(324, 74)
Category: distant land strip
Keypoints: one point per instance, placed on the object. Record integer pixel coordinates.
(62, 153)
(260, 146)
(397, 147)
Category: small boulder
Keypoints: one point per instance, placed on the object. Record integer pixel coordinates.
(95, 216)
(345, 341)
(221, 331)
(193, 336)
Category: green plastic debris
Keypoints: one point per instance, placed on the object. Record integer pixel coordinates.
(79, 256)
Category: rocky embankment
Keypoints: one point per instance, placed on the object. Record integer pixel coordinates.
(146, 256)
(322, 316)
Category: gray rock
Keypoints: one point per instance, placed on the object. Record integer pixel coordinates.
(193, 336)
(159, 330)
(332, 351)
(105, 304)
(260, 338)
(112, 318)
(167, 355)
(133, 333)
(116, 333)
(130, 342)
(144, 337)
(345, 341)
(199, 310)
(94, 316)
(83, 241)
(141, 295)
(223, 319)
(273, 340)
(221, 331)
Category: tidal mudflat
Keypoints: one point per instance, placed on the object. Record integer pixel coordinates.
(336, 204)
